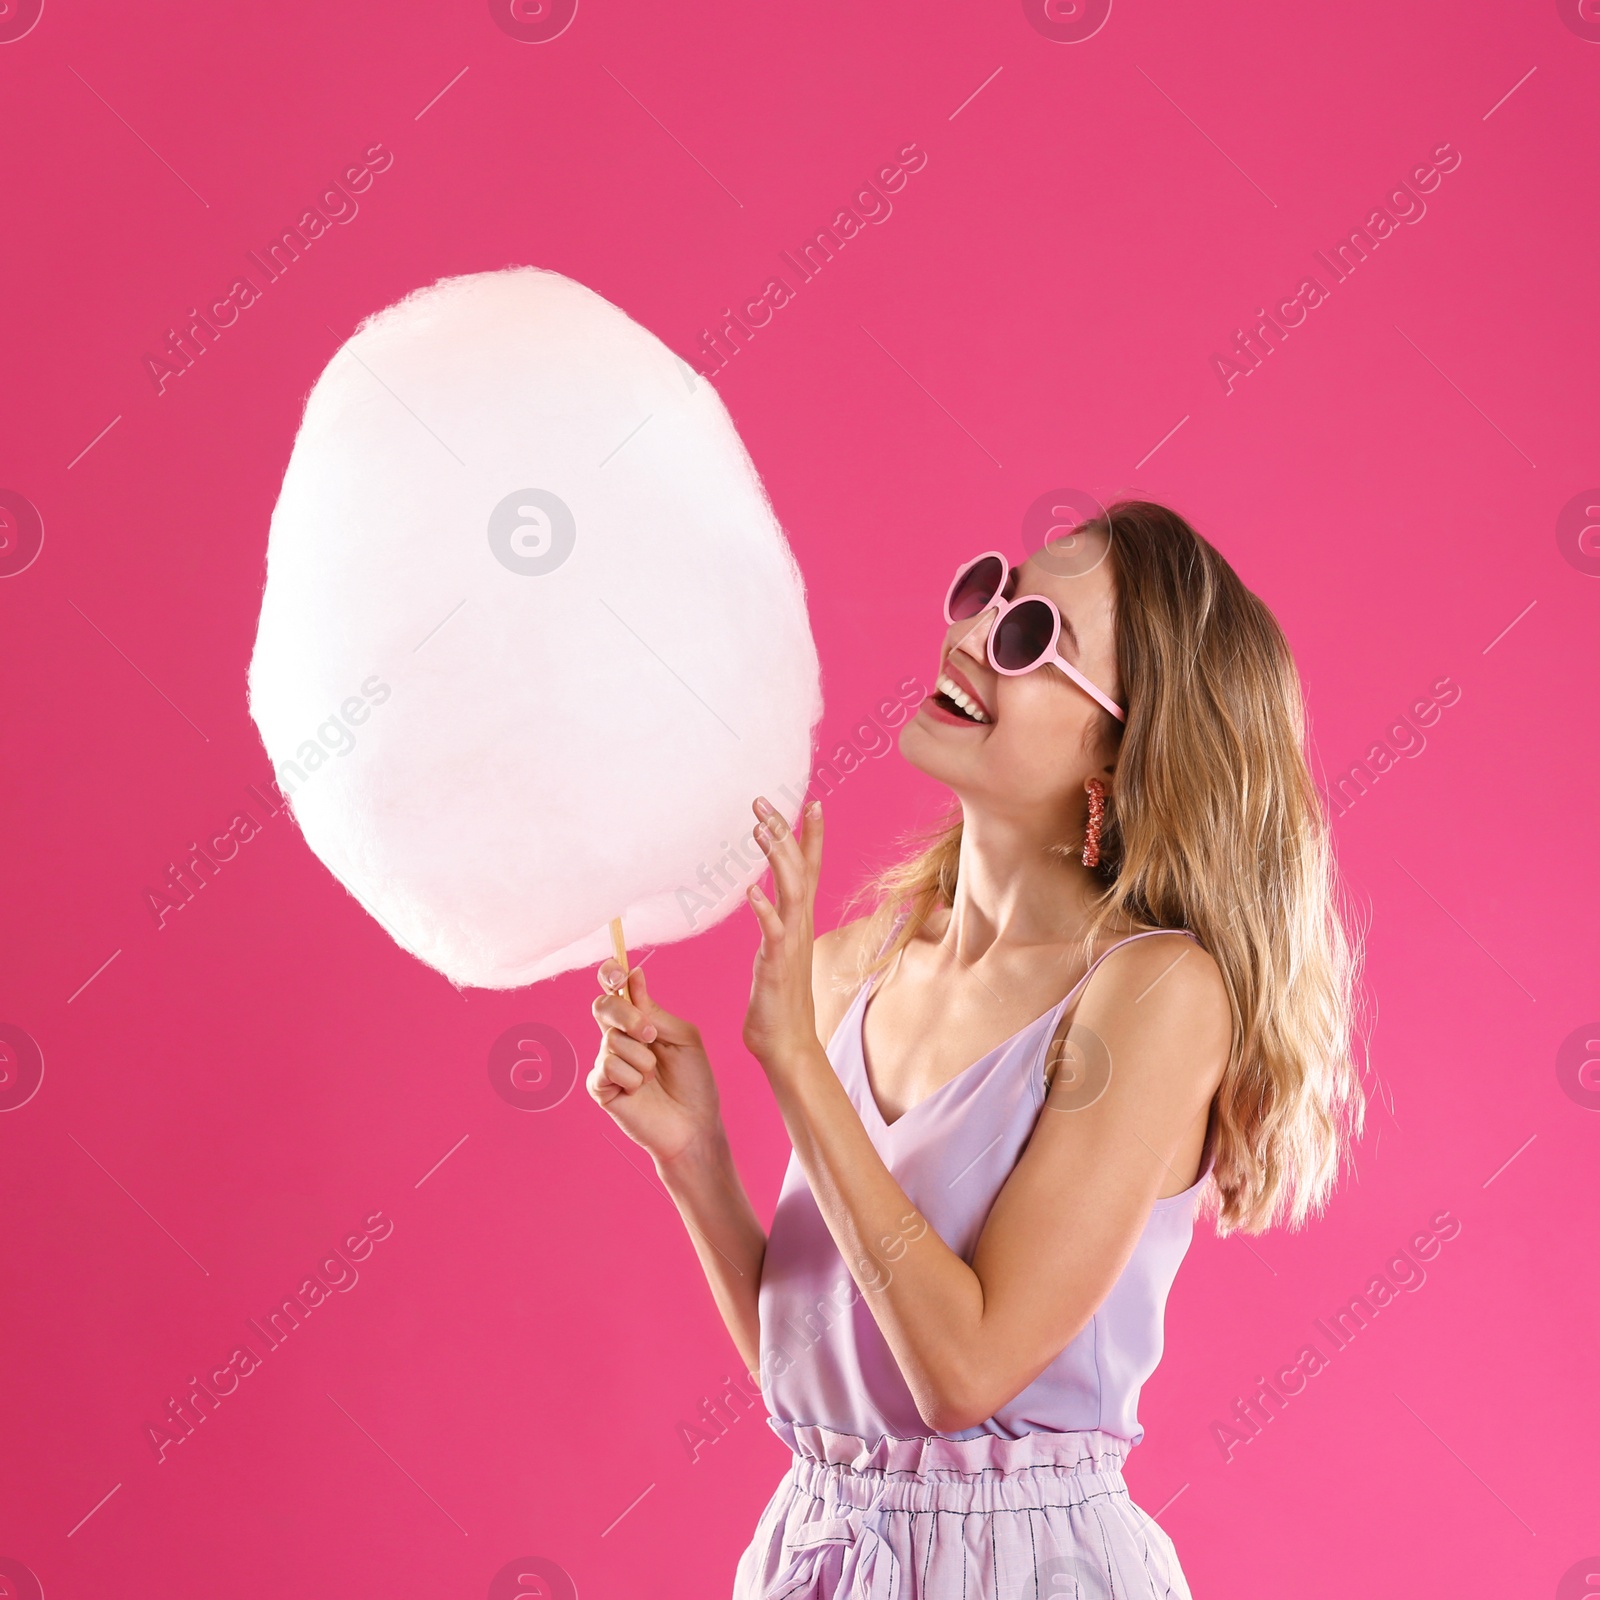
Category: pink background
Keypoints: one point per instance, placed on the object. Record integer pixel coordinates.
(236, 1091)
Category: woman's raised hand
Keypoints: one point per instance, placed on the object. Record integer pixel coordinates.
(780, 1026)
(651, 1073)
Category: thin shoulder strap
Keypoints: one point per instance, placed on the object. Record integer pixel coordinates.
(867, 985)
(894, 933)
(1133, 938)
(863, 991)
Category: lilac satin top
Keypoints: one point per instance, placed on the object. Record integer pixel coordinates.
(825, 1363)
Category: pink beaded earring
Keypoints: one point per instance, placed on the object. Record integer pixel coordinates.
(1097, 817)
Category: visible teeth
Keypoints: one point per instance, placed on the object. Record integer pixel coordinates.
(953, 691)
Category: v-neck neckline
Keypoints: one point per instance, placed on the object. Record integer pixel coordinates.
(870, 989)
(966, 1071)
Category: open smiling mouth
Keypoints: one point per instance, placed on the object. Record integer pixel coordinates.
(950, 696)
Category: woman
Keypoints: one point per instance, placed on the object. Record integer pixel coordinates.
(1117, 980)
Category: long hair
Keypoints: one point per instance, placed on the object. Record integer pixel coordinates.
(1215, 826)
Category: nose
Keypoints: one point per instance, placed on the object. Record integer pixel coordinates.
(975, 641)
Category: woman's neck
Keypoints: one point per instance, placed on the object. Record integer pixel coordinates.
(1016, 886)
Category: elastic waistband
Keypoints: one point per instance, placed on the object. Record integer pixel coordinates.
(987, 1472)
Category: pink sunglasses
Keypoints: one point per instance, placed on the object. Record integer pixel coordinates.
(1024, 632)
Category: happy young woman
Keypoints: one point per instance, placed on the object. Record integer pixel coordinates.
(1115, 987)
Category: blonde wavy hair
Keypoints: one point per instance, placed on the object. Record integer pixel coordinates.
(1215, 826)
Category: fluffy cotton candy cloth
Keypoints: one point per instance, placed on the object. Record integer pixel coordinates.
(518, 513)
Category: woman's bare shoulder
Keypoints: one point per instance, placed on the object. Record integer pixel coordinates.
(1175, 961)
(1166, 989)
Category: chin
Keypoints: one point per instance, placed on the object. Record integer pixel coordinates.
(936, 748)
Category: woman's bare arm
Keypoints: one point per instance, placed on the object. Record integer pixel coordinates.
(652, 1075)
(710, 1196)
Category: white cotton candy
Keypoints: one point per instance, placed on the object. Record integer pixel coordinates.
(496, 753)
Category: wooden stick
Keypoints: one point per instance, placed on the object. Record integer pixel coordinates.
(619, 947)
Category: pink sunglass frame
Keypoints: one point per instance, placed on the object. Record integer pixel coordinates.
(1000, 606)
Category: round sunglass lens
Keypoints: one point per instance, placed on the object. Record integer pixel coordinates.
(1023, 635)
(976, 588)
